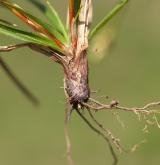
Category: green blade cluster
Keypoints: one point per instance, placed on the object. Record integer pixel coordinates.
(26, 36)
(53, 17)
(49, 30)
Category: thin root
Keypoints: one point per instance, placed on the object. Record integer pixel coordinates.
(115, 159)
(109, 133)
(66, 134)
(68, 145)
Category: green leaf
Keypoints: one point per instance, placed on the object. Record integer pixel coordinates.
(58, 35)
(108, 17)
(53, 17)
(77, 9)
(77, 6)
(27, 36)
(56, 21)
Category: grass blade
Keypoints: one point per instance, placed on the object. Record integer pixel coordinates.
(27, 36)
(77, 9)
(56, 21)
(35, 23)
(52, 16)
(108, 17)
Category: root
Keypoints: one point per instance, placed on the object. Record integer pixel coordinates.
(97, 106)
(93, 105)
(114, 140)
(141, 112)
(68, 146)
(115, 159)
(66, 134)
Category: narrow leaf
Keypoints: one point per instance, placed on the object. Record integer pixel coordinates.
(27, 36)
(55, 19)
(77, 9)
(108, 17)
(35, 23)
(52, 16)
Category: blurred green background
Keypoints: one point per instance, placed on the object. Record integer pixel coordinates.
(128, 73)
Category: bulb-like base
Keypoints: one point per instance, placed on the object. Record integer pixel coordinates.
(76, 81)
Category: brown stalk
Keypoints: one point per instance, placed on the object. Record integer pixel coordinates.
(71, 12)
(72, 26)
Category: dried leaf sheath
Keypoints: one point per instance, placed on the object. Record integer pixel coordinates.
(76, 74)
(76, 80)
(85, 18)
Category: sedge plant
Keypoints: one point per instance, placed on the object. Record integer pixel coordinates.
(66, 44)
